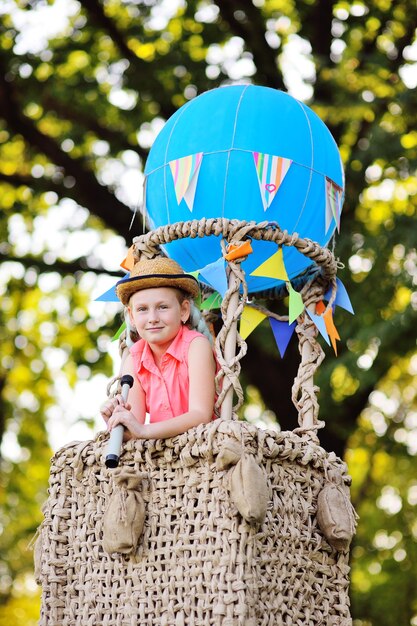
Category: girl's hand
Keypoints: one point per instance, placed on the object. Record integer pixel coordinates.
(108, 407)
(123, 415)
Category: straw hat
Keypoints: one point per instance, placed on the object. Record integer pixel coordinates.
(157, 272)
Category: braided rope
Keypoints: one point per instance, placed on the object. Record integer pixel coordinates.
(304, 392)
(228, 375)
(234, 231)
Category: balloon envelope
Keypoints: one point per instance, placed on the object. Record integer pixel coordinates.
(249, 153)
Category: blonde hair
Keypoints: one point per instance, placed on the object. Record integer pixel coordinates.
(196, 321)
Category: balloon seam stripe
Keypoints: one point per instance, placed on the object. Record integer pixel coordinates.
(231, 148)
(311, 166)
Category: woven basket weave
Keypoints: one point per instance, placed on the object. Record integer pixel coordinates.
(198, 562)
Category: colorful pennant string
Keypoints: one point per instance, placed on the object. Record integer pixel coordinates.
(271, 171)
(185, 173)
(249, 320)
(333, 203)
(282, 332)
(273, 267)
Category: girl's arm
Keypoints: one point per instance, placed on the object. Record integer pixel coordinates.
(136, 398)
(202, 369)
(135, 405)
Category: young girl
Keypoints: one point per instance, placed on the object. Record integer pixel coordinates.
(173, 367)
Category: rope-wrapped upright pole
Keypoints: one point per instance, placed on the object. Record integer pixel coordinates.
(229, 350)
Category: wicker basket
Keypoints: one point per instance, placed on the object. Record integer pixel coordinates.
(201, 560)
(198, 562)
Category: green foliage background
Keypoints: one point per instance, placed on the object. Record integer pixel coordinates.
(78, 111)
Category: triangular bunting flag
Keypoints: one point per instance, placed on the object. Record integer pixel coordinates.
(282, 333)
(249, 320)
(320, 308)
(342, 298)
(296, 306)
(333, 203)
(119, 332)
(109, 295)
(331, 328)
(327, 315)
(129, 261)
(271, 171)
(185, 175)
(273, 267)
(238, 250)
(321, 325)
(214, 301)
(215, 275)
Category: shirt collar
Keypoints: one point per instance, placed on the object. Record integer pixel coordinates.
(174, 350)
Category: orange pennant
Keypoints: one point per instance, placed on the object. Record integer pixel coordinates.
(238, 250)
(320, 307)
(129, 261)
(331, 328)
(329, 323)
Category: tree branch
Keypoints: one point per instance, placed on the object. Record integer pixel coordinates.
(90, 123)
(64, 268)
(115, 214)
(97, 14)
(252, 30)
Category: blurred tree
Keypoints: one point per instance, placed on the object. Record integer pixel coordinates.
(84, 88)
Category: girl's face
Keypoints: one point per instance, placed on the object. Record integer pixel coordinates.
(157, 314)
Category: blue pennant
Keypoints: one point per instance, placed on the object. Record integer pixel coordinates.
(215, 275)
(282, 333)
(320, 323)
(342, 299)
(108, 296)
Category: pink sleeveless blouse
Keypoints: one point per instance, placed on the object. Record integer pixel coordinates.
(166, 389)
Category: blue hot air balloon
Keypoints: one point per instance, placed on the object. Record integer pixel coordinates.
(249, 153)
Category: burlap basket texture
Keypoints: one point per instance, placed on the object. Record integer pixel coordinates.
(198, 561)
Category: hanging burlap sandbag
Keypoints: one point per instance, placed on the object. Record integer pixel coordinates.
(125, 513)
(249, 490)
(335, 513)
(229, 454)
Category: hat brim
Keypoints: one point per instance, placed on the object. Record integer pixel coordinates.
(128, 286)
